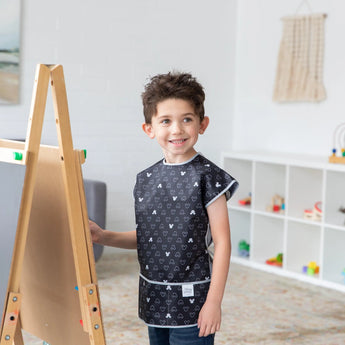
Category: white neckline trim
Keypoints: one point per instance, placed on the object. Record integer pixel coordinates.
(189, 160)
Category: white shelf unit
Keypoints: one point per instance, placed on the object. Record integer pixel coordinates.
(301, 181)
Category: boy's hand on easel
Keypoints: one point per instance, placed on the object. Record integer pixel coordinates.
(96, 232)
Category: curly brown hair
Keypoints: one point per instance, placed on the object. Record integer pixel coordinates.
(172, 85)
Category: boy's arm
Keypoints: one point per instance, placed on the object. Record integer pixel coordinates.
(126, 240)
(210, 314)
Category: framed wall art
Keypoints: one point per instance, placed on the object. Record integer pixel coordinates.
(9, 51)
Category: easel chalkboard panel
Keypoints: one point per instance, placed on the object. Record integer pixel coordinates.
(11, 185)
(49, 273)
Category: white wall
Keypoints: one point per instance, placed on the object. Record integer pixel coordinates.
(108, 50)
(294, 127)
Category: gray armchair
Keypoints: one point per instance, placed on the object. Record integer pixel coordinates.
(96, 200)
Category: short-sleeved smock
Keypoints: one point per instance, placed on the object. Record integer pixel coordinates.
(172, 230)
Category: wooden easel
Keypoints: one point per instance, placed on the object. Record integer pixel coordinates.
(52, 289)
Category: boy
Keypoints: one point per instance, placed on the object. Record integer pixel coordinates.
(180, 208)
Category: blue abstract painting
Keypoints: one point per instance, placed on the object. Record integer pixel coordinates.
(9, 51)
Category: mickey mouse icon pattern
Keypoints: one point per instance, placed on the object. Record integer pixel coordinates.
(172, 224)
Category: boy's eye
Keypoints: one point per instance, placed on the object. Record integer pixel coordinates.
(187, 119)
(165, 121)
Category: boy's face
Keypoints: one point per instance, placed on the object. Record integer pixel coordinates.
(176, 128)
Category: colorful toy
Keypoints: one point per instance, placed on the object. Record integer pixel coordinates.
(243, 248)
(246, 201)
(277, 204)
(338, 142)
(276, 261)
(343, 273)
(314, 214)
(311, 269)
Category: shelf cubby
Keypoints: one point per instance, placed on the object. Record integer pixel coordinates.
(275, 174)
(303, 245)
(268, 238)
(334, 256)
(241, 170)
(305, 189)
(302, 181)
(240, 228)
(335, 198)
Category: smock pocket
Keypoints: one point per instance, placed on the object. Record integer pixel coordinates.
(171, 305)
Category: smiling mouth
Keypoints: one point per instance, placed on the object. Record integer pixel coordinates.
(177, 142)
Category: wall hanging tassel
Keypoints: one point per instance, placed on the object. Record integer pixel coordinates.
(299, 75)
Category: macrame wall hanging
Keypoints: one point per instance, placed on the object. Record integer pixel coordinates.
(299, 75)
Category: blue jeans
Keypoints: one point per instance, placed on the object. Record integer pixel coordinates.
(178, 336)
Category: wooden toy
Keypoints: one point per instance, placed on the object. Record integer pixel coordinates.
(338, 145)
(243, 248)
(245, 201)
(311, 269)
(44, 215)
(276, 261)
(277, 204)
(314, 214)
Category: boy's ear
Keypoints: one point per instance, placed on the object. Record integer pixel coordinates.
(147, 128)
(204, 124)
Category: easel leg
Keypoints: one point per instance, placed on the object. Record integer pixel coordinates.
(18, 336)
(94, 317)
(11, 325)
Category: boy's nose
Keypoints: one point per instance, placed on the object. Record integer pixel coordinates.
(177, 128)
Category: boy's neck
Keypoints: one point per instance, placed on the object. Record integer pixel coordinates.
(179, 159)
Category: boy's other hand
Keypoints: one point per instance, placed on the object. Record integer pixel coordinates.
(209, 319)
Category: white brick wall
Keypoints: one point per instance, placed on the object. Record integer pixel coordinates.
(108, 50)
